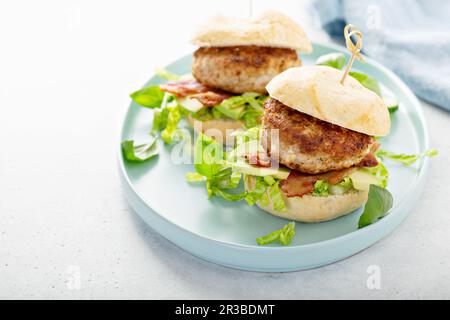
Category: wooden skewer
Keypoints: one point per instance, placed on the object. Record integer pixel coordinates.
(349, 31)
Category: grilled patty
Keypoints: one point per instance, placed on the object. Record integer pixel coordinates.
(243, 68)
(310, 145)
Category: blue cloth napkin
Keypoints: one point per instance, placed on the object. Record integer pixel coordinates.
(411, 37)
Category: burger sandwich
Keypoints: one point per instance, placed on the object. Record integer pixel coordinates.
(320, 135)
(235, 61)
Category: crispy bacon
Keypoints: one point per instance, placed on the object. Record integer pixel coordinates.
(370, 160)
(211, 98)
(298, 184)
(206, 95)
(182, 88)
(258, 159)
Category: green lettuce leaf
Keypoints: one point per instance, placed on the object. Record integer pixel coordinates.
(380, 172)
(378, 205)
(207, 114)
(335, 60)
(367, 81)
(406, 159)
(227, 195)
(233, 107)
(266, 190)
(276, 197)
(342, 187)
(194, 177)
(216, 166)
(149, 97)
(258, 192)
(321, 188)
(141, 152)
(208, 157)
(173, 118)
(209, 162)
(252, 118)
(284, 236)
(243, 136)
(160, 119)
(167, 75)
(246, 107)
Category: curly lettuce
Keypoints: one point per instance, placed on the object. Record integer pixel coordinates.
(406, 159)
(247, 108)
(266, 191)
(283, 236)
(139, 152)
(211, 167)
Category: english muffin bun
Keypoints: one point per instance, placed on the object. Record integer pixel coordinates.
(312, 209)
(271, 29)
(217, 128)
(318, 92)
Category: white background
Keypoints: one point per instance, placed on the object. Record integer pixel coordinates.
(66, 70)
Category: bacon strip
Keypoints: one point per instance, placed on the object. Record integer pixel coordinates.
(258, 159)
(370, 160)
(207, 96)
(211, 98)
(298, 184)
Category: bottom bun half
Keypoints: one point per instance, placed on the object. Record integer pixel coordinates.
(312, 209)
(219, 129)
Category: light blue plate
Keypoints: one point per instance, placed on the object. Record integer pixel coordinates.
(225, 233)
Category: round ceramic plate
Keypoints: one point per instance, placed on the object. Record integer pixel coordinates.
(224, 232)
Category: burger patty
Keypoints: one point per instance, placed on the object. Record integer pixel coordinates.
(310, 145)
(243, 68)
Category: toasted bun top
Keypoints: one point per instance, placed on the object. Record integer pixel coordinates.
(317, 91)
(271, 29)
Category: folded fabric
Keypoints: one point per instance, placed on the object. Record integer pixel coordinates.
(411, 37)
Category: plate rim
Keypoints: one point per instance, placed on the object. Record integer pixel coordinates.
(423, 169)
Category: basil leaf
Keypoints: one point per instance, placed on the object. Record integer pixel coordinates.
(367, 81)
(335, 60)
(141, 152)
(392, 104)
(149, 97)
(378, 205)
(338, 60)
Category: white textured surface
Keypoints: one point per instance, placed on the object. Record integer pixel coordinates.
(67, 69)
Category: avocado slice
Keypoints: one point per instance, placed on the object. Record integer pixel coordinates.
(246, 168)
(190, 104)
(362, 180)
